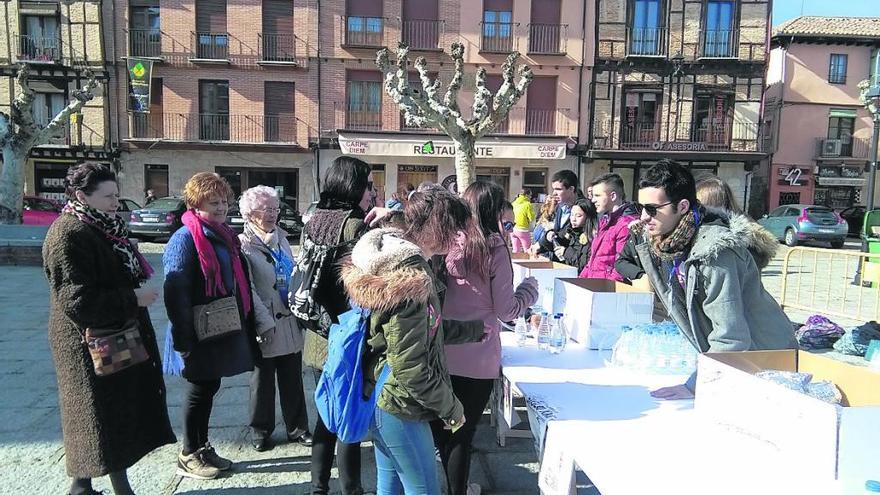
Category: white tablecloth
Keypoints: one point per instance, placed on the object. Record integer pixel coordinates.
(603, 420)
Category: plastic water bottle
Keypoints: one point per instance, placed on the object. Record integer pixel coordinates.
(557, 335)
(547, 299)
(522, 331)
(544, 332)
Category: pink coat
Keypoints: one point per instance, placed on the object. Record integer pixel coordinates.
(471, 297)
(608, 243)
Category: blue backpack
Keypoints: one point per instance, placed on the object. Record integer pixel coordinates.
(339, 395)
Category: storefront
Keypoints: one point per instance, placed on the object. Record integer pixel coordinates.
(790, 185)
(49, 179)
(839, 186)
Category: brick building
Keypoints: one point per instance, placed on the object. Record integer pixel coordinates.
(680, 79)
(233, 91)
(58, 40)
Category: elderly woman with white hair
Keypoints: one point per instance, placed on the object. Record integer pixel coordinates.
(264, 245)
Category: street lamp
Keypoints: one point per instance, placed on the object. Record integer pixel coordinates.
(872, 103)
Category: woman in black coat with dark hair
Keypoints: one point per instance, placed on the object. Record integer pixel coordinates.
(571, 245)
(95, 274)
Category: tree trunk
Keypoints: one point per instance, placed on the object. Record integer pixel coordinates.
(11, 184)
(465, 163)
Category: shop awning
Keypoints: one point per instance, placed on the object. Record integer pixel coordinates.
(364, 144)
(846, 113)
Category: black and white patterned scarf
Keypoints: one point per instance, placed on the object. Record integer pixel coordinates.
(115, 230)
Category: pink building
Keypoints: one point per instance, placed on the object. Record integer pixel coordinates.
(820, 131)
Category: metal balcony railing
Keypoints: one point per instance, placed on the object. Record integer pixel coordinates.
(179, 127)
(39, 48)
(358, 116)
(277, 47)
(366, 32)
(716, 43)
(646, 42)
(727, 135)
(846, 147)
(535, 122)
(145, 43)
(422, 34)
(548, 39)
(211, 46)
(496, 37)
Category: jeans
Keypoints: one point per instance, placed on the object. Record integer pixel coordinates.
(197, 414)
(404, 456)
(348, 460)
(455, 448)
(288, 369)
(521, 240)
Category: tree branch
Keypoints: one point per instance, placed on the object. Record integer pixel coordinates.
(482, 97)
(508, 94)
(56, 125)
(23, 103)
(451, 98)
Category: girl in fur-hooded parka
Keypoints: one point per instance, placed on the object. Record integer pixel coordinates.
(389, 274)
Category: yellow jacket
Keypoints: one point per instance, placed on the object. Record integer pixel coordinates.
(523, 213)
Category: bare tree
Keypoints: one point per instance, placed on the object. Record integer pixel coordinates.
(19, 134)
(426, 108)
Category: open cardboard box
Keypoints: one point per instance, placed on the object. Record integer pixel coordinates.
(826, 440)
(519, 256)
(546, 273)
(595, 310)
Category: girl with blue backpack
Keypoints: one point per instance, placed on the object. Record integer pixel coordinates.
(389, 275)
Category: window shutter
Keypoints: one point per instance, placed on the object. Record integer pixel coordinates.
(277, 17)
(211, 16)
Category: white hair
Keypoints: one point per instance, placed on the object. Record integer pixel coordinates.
(254, 198)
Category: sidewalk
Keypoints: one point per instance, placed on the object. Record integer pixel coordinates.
(32, 455)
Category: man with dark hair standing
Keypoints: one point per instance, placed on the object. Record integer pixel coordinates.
(702, 269)
(615, 215)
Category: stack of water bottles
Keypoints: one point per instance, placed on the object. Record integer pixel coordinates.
(550, 332)
(655, 348)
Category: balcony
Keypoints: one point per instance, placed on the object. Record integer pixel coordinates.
(45, 49)
(548, 39)
(716, 43)
(535, 122)
(357, 116)
(422, 34)
(729, 136)
(277, 48)
(497, 37)
(364, 32)
(146, 43)
(250, 129)
(646, 42)
(849, 147)
(211, 47)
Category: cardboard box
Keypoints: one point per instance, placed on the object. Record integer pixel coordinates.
(519, 256)
(596, 310)
(546, 272)
(826, 440)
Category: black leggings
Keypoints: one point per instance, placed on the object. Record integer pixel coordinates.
(118, 479)
(348, 460)
(197, 413)
(455, 448)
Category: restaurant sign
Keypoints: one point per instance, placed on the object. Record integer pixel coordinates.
(381, 145)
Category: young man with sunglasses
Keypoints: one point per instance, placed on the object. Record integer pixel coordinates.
(700, 265)
(615, 215)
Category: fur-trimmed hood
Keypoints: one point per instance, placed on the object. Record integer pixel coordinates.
(386, 270)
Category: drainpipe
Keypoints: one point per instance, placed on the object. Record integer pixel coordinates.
(316, 191)
(114, 98)
(580, 85)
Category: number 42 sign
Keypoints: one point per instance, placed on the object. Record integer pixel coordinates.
(794, 176)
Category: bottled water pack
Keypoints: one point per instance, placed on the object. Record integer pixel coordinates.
(655, 348)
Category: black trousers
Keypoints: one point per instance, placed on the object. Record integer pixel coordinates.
(348, 460)
(287, 370)
(197, 413)
(455, 448)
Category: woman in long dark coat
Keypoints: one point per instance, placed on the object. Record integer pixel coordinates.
(95, 275)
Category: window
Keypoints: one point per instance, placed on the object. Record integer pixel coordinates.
(712, 122)
(646, 31)
(718, 38)
(40, 40)
(145, 35)
(364, 25)
(212, 38)
(364, 100)
(641, 115)
(545, 31)
(416, 174)
(837, 69)
(875, 66)
(156, 178)
(49, 100)
(280, 120)
(214, 110)
(277, 37)
(535, 179)
(421, 29)
(842, 128)
(497, 26)
(541, 106)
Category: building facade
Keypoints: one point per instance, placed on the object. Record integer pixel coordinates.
(59, 41)
(539, 137)
(820, 131)
(680, 79)
(233, 91)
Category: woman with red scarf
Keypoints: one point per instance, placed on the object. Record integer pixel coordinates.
(203, 264)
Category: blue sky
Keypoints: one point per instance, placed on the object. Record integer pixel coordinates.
(784, 10)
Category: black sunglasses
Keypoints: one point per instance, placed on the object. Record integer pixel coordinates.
(652, 210)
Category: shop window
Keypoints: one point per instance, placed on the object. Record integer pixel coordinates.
(416, 174)
(535, 180)
(156, 178)
(641, 116)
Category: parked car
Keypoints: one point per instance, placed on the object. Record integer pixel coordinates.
(855, 218)
(126, 206)
(39, 211)
(289, 219)
(794, 224)
(160, 219)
